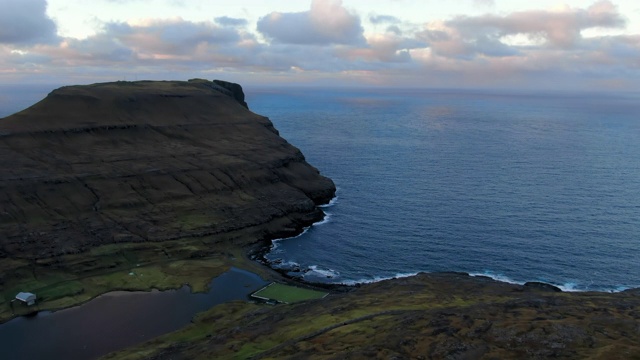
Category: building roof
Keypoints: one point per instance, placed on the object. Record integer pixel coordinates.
(25, 296)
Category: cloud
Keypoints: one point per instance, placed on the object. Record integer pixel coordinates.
(601, 61)
(484, 3)
(169, 37)
(147, 46)
(537, 47)
(384, 19)
(327, 22)
(228, 21)
(179, 3)
(466, 37)
(26, 22)
(559, 28)
(394, 29)
(384, 48)
(614, 51)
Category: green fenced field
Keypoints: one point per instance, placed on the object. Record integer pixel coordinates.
(287, 294)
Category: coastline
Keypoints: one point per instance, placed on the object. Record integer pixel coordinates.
(444, 288)
(259, 255)
(447, 311)
(252, 258)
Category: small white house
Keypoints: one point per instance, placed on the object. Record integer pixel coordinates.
(27, 298)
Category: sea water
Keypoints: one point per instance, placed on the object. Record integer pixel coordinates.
(514, 185)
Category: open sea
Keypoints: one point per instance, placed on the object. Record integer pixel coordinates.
(517, 186)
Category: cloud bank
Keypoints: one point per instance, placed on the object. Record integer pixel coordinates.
(24, 22)
(328, 42)
(327, 22)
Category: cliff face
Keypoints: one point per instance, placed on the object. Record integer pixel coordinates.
(144, 162)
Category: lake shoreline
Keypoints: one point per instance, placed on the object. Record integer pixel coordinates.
(120, 319)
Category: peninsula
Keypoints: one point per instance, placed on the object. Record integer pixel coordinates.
(179, 180)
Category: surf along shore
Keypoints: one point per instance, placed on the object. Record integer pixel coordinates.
(181, 201)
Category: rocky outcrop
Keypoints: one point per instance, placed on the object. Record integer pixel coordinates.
(541, 286)
(234, 90)
(147, 161)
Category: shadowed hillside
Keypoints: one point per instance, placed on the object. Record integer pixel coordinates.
(146, 161)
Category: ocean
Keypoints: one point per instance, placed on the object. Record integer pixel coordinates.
(513, 185)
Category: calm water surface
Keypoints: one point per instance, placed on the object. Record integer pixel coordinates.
(116, 320)
(521, 187)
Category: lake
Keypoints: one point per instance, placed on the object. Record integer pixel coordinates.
(117, 320)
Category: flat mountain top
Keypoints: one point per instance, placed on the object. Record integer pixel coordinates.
(142, 102)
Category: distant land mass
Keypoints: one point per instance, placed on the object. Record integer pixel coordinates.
(179, 181)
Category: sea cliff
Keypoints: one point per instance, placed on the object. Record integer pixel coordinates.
(147, 162)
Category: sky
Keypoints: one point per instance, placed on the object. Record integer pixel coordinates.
(506, 44)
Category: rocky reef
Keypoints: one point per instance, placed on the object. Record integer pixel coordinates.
(148, 161)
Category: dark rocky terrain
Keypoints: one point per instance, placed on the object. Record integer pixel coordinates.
(147, 162)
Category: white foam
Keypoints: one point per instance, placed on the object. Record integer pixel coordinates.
(573, 287)
(275, 242)
(570, 287)
(567, 287)
(498, 277)
(623, 288)
(287, 265)
(330, 203)
(326, 219)
(326, 273)
(376, 279)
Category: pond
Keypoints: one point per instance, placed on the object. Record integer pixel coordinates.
(117, 320)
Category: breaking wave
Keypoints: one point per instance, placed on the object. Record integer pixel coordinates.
(566, 287)
(315, 271)
(377, 279)
(330, 203)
